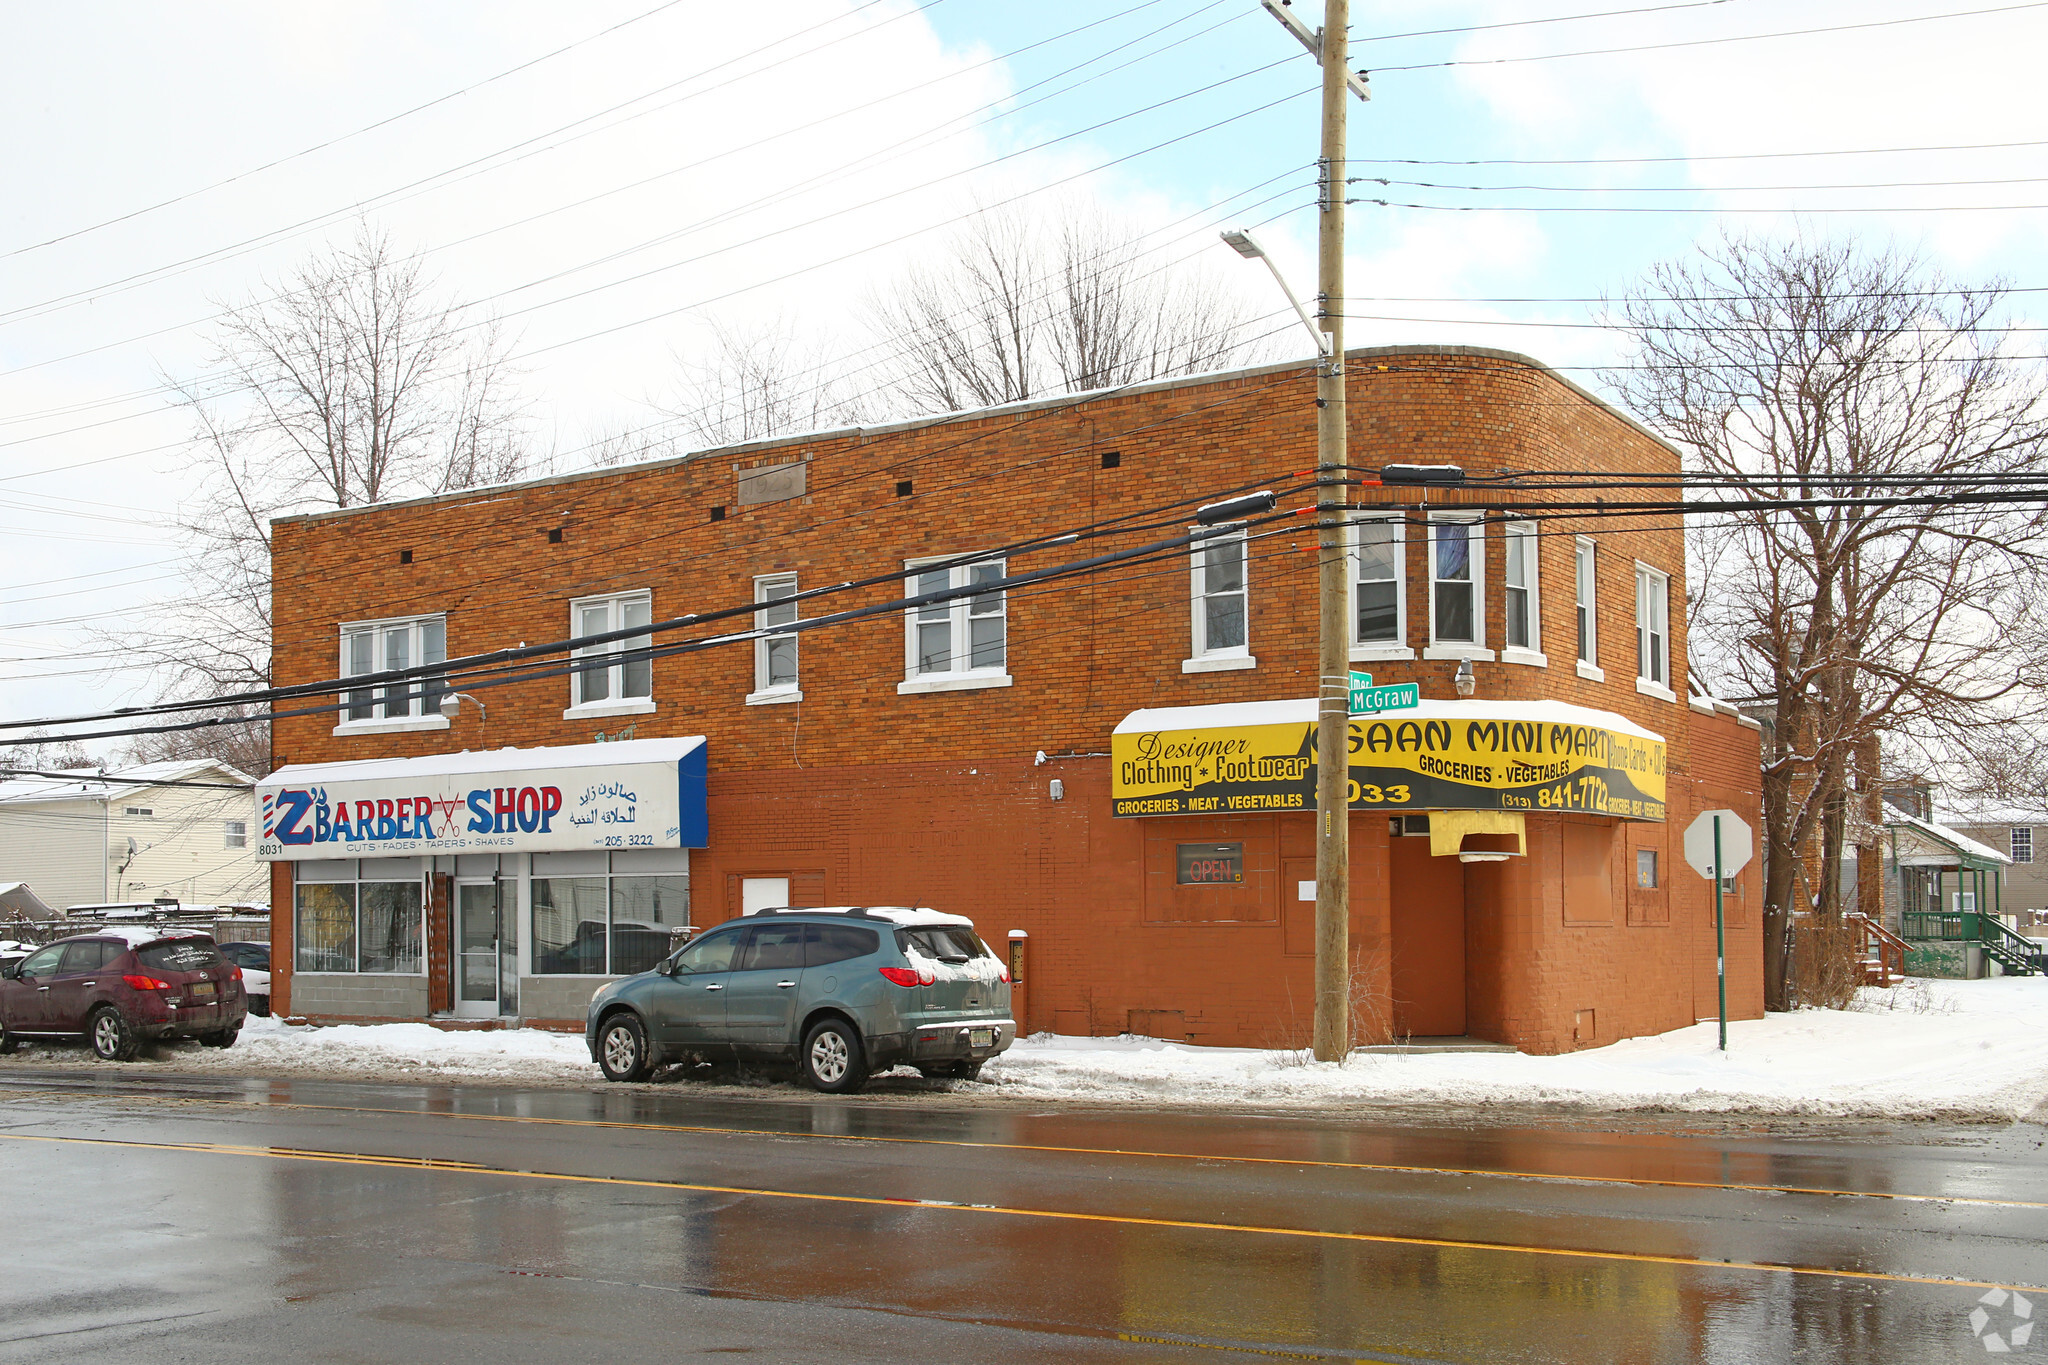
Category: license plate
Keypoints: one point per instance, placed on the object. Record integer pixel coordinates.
(203, 988)
(981, 1037)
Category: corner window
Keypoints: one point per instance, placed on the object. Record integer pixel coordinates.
(1653, 627)
(388, 646)
(1520, 584)
(1582, 572)
(1379, 598)
(598, 914)
(963, 641)
(1457, 561)
(775, 655)
(365, 916)
(234, 834)
(604, 674)
(1218, 595)
(2022, 843)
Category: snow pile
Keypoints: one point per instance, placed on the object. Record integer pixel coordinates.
(1961, 1049)
(271, 1047)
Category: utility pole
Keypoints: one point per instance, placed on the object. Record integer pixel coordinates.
(1331, 46)
(1333, 713)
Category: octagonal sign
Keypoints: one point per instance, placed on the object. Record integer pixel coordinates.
(1737, 843)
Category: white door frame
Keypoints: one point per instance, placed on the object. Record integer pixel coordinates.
(474, 1009)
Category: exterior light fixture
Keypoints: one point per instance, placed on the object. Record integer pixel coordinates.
(1463, 680)
(1244, 244)
(451, 705)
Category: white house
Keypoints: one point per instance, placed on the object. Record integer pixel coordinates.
(95, 835)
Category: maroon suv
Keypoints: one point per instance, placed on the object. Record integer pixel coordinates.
(118, 988)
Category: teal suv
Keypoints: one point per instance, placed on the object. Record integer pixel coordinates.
(841, 992)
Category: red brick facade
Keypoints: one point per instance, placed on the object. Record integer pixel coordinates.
(859, 794)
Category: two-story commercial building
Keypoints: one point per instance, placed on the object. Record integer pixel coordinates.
(1109, 766)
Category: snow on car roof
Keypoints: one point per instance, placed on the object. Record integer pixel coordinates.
(910, 916)
(139, 935)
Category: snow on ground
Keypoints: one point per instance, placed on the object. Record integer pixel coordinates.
(1961, 1049)
(1927, 1049)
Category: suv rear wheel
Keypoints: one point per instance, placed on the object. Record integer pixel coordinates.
(833, 1059)
(622, 1049)
(111, 1037)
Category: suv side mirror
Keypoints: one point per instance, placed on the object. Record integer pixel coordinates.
(12, 971)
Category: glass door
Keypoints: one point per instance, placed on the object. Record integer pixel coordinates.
(477, 950)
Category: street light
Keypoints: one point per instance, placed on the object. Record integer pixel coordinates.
(1244, 244)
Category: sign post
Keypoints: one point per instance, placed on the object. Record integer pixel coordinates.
(1718, 844)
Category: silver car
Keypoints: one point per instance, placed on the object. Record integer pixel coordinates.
(842, 992)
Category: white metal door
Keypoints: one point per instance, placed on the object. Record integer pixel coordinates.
(476, 950)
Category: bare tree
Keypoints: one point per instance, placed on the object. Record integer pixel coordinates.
(1014, 310)
(38, 751)
(1845, 381)
(350, 382)
(758, 381)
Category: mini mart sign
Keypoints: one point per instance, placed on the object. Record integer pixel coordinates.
(1442, 755)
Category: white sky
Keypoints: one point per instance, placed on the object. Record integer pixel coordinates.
(891, 114)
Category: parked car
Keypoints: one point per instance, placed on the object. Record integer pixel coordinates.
(841, 992)
(254, 960)
(117, 987)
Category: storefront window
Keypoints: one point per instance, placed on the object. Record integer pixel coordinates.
(610, 915)
(359, 916)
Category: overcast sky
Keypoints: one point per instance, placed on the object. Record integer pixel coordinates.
(691, 163)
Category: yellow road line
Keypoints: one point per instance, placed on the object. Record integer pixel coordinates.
(947, 1206)
(1391, 1168)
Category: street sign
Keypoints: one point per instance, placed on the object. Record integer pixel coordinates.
(1366, 698)
(1718, 845)
(1737, 844)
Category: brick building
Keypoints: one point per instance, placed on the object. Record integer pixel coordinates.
(1516, 872)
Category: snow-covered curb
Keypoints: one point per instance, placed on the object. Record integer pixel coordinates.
(1944, 1049)
(1961, 1049)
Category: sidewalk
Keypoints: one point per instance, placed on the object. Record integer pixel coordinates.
(1957, 1050)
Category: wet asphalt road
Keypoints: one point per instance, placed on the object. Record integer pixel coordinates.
(213, 1219)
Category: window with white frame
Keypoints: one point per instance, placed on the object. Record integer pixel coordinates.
(1379, 583)
(965, 637)
(1582, 570)
(2022, 843)
(1218, 595)
(775, 655)
(234, 834)
(605, 675)
(1457, 566)
(1519, 603)
(1653, 627)
(389, 646)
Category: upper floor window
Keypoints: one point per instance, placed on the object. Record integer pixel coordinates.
(2022, 843)
(138, 810)
(1379, 584)
(1520, 584)
(234, 834)
(1582, 572)
(1457, 565)
(389, 646)
(960, 642)
(775, 655)
(1653, 630)
(1218, 594)
(611, 677)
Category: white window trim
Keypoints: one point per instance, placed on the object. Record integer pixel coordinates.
(1531, 654)
(764, 694)
(391, 727)
(393, 724)
(1378, 651)
(1202, 659)
(597, 710)
(1452, 649)
(2012, 842)
(228, 832)
(1648, 686)
(614, 704)
(1589, 666)
(959, 680)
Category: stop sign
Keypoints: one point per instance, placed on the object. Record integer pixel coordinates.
(1737, 844)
